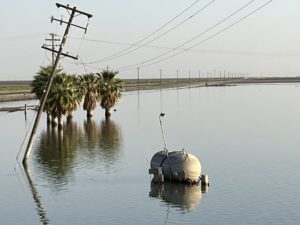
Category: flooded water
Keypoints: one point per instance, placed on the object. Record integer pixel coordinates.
(96, 171)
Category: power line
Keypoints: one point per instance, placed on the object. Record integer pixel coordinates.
(137, 46)
(145, 38)
(203, 41)
(250, 53)
(192, 39)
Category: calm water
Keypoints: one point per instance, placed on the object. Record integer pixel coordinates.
(96, 172)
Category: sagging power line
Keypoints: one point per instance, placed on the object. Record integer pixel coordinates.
(203, 41)
(209, 51)
(137, 46)
(119, 53)
(189, 41)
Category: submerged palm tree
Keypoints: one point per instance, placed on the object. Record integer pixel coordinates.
(110, 90)
(75, 84)
(90, 85)
(39, 84)
(64, 97)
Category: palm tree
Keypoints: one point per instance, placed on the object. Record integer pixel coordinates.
(110, 90)
(63, 97)
(90, 84)
(75, 84)
(39, 84)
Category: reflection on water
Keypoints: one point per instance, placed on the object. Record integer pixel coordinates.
(36, 197)
(101, 142)
(248, 133)
(58, 152)
(183, 196)
(110, 138)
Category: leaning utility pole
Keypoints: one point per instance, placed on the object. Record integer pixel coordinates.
(48, 87)
(52, 39)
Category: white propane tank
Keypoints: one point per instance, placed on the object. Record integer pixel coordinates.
(177, 166)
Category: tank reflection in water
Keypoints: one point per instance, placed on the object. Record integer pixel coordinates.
(183, 196)
(59, 152)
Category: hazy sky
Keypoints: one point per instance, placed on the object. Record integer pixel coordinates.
(265, 43)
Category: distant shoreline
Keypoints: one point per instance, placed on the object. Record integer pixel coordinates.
(149, 84)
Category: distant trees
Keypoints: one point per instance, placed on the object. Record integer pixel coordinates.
(68, 91)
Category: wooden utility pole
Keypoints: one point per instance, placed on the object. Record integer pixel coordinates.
(52, 45)
(48, 87)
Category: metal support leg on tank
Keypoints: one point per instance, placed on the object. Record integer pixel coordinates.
(158, 175)
(204, 183)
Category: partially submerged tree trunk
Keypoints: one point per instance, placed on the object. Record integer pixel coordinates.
(60, 122)
(69, 117)
(89, 113)
(49, 118)
(107, 113)
(54, 121)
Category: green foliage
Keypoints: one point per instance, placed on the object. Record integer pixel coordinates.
(110, 89)
(40, 80)
(65, 95)
(67, 91)
(90, 85)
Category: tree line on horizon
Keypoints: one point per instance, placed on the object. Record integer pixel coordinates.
(68, 91)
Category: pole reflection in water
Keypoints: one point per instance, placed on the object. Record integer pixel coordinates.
(182, 196)
(36, 197)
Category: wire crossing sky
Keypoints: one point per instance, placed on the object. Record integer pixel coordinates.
(138, 46)
(257, 38)
(190, 40)
(149, 35)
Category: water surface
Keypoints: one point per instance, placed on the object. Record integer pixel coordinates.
(96, 171)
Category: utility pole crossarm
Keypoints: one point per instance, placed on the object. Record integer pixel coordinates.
(64, 22)
(76, 10)
(50, 39)
(63, 54)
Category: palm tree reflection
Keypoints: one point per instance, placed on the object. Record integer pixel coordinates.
(59, 152)
(90, 135)
(56, 153)
(110, 139)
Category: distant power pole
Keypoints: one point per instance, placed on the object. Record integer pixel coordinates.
(214, 73)
(72, 12)
(53, 44)
(160, 76)
(138, 77)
